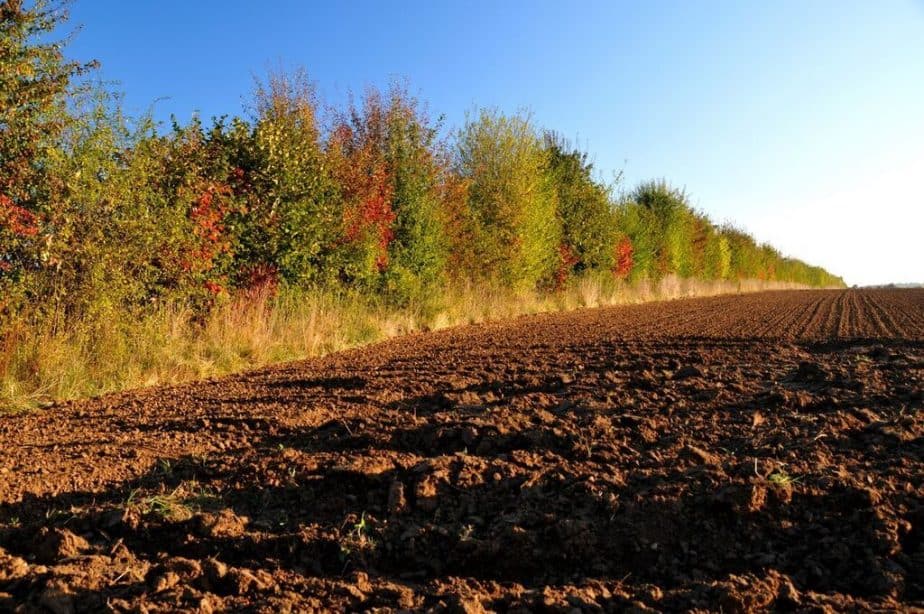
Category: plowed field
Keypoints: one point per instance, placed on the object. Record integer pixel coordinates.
(737, 453)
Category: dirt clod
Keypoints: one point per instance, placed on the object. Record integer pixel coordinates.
(224, 524)
(51, 545)
(397, 503)
(57, 599)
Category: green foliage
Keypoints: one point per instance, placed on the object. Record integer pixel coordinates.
(641, 226)
(669, 237)
(744, 259)
(589, 229)
(512, 199)
(104, 227)
(418, 252)
(673, 227)
(292, 198)
(717, 256)
(386, 161)
(35, 81)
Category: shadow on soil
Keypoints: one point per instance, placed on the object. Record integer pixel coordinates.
(443, 517)
(468, 505)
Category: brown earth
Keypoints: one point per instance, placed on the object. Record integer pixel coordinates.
(737, 453)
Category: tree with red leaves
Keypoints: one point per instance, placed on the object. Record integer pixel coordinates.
(357, 158)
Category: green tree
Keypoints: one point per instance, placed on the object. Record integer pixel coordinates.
(589, 231)
(717, 255)
(512, 199)
(640, 225)
(674, 219)
(419, 247)
(35, 81)
(293, 204)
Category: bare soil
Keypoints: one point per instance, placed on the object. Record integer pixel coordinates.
(739, 453)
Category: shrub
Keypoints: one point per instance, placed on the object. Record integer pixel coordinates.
(717, 256)
(744, 263)
(512, 201)
(641, 228)
(624, 259)
(35, 81)
(198, 238)
(294, 212)
(589, 231)
(389, 167)
(356, 156)
(673, 226)
(420, 248)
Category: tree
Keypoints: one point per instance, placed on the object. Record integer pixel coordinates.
(418, 252)
(589, 233)
(35, 81)
(512, 199)
(674, 221)
(292, 197)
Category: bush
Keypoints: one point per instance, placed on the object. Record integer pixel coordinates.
(641, 228)
(512, 201)
(103, 257)
(673, 226)
(35, 81)
(385, 158)
(717, 256)
(589, 230)
(293, 197)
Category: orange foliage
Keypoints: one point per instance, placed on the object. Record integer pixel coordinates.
(21, 222)
(567, 259)
(208, 215)
(624, 260)
(361, 170)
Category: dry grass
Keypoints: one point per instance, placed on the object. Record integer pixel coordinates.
(110, 353)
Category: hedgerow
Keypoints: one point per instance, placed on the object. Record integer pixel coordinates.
(105, 214)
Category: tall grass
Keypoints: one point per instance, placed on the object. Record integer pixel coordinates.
(42, 365)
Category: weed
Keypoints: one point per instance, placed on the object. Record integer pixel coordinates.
(781, 478)
(169, 507)
(362, 531)
(778, 477)
(358, 539)
(53, 514)
(179, 504)
(165, 467)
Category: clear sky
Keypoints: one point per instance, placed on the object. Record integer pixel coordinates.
(801, 121)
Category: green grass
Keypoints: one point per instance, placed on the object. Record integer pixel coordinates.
(115, 353)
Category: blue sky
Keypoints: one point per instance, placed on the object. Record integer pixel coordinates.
(801, 121)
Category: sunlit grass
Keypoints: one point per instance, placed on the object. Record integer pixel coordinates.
(39, 366)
